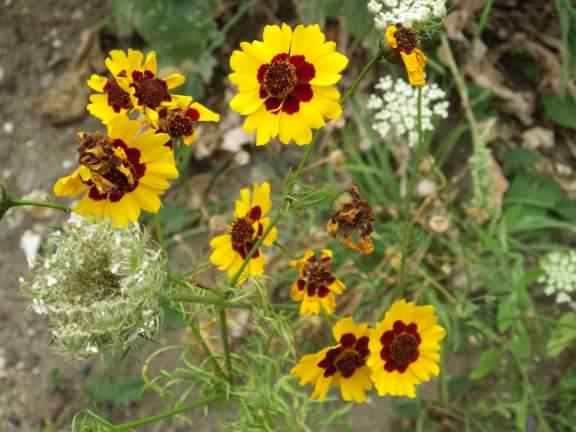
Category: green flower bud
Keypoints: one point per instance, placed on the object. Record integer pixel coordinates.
(98, 286)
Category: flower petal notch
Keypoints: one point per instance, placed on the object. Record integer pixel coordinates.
(120, 174)
(231, 249)
(343, 365)
(316, 287)
(405, 42)
(405, 349)
(286, 83)
(352, 223)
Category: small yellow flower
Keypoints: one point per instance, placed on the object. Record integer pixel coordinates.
(179, 118)
(286, 83)
(343, 365)
(316, 286)
(134, 85)
(121, 173)
(404, 41)
(405, 349)
(230, 250)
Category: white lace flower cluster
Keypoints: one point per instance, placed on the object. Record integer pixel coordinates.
(407, 12)
(395, 107)
(98, 286)
(559, 275)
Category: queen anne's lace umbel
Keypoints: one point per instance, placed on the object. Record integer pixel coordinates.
(407, 12)
(395, 107)
(98, 287)
(559, 276)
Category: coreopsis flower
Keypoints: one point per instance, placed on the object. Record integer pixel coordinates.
(120, 174)
(98, 287)
(394, 104)
(316, 286)
(180, 117)
(231, 249)
(286, 83)
(388, 12)
(343, 365)
(405, 42)
(352, 223)
(559, 276)
(405, 349)
(134, 85)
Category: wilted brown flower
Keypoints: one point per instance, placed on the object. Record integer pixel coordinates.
(352, 223)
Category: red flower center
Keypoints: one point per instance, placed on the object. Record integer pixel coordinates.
(149, 90)
(349, 355)
(118, 99)
(316, 277)
(406, 38)
(400, 346)
(284, 83)
(115, 168)
(178, 122)
(243, 234)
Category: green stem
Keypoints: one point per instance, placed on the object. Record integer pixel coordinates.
(484, 18)
(196, 331)
(167, 414)
(530, 390)
(352, 89)
(225, 343)
(226, 304)
(17, 203)
(412, 172)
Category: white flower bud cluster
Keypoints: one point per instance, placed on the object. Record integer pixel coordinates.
(407, 12)
(395, 107)
(559, 275)
(99, 287)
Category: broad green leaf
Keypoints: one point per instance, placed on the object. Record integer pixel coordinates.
(563, 335)
(520, 160)
(561, 110)
(488, 362)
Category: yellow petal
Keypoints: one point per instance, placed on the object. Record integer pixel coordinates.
(206, 115)
(294, 127)
(70, 185)
(295, 293)
(174, 80)
(309, 42)
(261, 197)
(151, 64)
(277, 39)
(265, 124)
(390, 36)
(117, 62)
(123, 128)
(135, 59)
(243, 205)
(97, 82)
(147, 199)
(328, 69)
(246, 103)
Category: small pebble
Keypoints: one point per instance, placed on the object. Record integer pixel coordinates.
(67, 163)
(8, 128)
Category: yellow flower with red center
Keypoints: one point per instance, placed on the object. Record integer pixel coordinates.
(405, 349)
(231, 249)
(286, 83)
(316, 286)
(120, 174)
(180, 117)
(343, 365)
(404, 41)
(134, 85)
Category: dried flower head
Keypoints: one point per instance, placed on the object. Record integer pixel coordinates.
(404, 41)
(409, 12)
(352, 223)
(316, 285)
(98, 286)
(395, 106)
(559, 275)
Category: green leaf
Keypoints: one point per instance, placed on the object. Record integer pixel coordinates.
(408, 409)
(520, 343)
(118, 390)
(534, 190)
(563, 335)
(507, 313)
(488, 362)
(561, 110)
(520, 160)
(458, 386)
